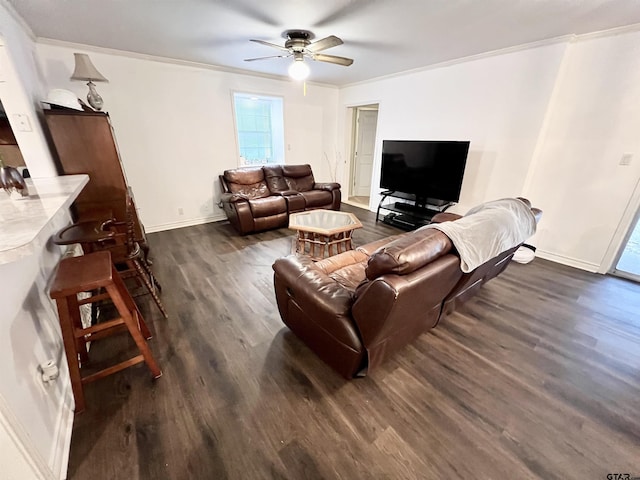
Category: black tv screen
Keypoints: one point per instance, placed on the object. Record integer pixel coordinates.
(427, 169)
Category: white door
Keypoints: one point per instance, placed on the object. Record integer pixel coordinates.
(628, 264)
(363, 158)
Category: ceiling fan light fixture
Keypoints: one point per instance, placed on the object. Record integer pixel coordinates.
(298, 70)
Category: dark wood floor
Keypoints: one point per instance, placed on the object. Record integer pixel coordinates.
(537, 377)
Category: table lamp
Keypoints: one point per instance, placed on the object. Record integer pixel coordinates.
(85, 70)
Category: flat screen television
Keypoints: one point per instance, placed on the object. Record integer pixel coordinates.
(428, 169)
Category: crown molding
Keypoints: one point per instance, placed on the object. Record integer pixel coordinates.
(168, 60)
(572, 38)
(470, 58)
(634, 27)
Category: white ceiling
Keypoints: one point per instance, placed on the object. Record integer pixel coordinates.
(382, 36)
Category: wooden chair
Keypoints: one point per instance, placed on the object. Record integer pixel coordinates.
(88, 273)
(118, 238)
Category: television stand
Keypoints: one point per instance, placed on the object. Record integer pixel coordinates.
(408, 214)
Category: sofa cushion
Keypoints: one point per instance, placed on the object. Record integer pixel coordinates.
(346, 268)
(248, 182)
(267, 206)
(317, 198)
(408, 253)
(298, 177)
(275, 179)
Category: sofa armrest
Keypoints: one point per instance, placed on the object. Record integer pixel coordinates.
(331, 186)
(318, 310)
(224, 188)
(392, 310)
(232, 197)
(313, 289)
(342, 260)
(321, 298)
(370, 248)
(536, 213)
(445, 217)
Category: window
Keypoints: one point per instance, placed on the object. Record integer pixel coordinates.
(259, 128)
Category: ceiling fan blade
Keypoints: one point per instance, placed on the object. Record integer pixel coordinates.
(265, 58)
(332, 59)
(331, 41)
(279, 47)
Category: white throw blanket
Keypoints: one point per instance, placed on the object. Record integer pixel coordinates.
(488, 230)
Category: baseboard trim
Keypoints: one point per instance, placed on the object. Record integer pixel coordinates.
(59, 458)
(569, 261)
(356, 204)
(20, 444)
(185, 223)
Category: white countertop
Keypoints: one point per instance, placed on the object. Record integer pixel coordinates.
(23, 220)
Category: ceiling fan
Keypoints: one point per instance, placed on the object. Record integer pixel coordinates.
(298, 45)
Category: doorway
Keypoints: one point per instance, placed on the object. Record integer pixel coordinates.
(362, 154)
(628, 263)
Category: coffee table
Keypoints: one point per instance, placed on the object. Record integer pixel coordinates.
(323, 233)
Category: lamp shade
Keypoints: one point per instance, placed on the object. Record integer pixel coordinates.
(85, 70)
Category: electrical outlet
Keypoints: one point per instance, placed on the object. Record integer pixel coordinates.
(22, 122)
(180, 211)
(626, 159)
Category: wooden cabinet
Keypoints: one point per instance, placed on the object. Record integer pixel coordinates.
(8, 146)
(85, 143)
(6, 134)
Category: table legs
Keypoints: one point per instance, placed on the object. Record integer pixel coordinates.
(318, 245)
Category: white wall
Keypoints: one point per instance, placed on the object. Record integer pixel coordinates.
(21, 91)
(35, 422)
(498, 103)
(175, 128)
(550, 123)
(533, 117)
(29, 336)
(594, 119)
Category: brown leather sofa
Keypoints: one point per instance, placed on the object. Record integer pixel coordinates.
(261, 198)
(357, 308)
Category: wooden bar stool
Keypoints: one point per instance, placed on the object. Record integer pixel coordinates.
(86, 273)
(119, 239)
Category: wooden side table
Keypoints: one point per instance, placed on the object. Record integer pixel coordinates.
(323, 233)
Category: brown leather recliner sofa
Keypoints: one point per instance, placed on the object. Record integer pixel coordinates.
(261, 198)
(357, 308)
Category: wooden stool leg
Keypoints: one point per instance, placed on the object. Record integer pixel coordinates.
(76, 320)
(152, 291)
(131, 321)
(95, 308)
(130, 304)
(68, 337)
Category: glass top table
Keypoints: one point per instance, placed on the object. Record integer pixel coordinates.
(323, 233)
